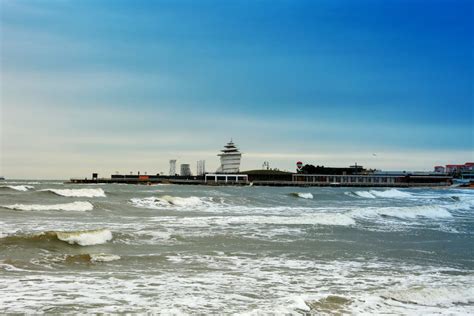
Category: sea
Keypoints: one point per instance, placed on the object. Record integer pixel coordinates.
(183, 249)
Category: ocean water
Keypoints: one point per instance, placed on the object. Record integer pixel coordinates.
(234, 250)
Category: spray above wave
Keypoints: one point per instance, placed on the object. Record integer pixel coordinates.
(77, 192)
(80, 237)
(303, 195)
(22, 188)
(74, 206)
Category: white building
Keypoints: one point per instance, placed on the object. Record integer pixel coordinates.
(230, 159)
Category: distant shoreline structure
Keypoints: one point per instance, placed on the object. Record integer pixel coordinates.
(306, 175)
(279, 178)
(230, 159)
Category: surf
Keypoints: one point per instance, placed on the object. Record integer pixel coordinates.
(89, 258)
(77, 192)
(74, 206)
(303, 195)
(404, 212)
(373, 194)
(79, 237)
(167, 201)
(22, 188)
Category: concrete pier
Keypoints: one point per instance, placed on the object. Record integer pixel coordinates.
(297, 181)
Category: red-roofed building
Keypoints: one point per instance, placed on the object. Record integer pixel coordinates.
(453, 168)
(439, 169)
(468, 166)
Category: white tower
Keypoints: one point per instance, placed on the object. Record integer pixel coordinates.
(230, 159)
(173, 167)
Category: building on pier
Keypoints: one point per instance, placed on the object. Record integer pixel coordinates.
(375, 179)
(230, 159)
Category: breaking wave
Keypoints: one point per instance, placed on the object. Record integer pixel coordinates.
(78, 192)
(391, 194)
(407, 212)
(74, 206)
(167, 200)
(85, 237)
(23, 188)
(303, 195)
(362, 194)
(336, 219)
(80, 237)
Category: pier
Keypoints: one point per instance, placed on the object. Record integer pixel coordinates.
(287, 179)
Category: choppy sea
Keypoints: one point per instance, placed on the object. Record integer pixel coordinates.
(234, 250)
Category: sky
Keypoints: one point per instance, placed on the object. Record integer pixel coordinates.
(120, 86)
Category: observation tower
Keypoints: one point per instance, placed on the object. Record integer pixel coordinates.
(230, 159)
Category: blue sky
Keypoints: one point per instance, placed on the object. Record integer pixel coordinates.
(127, 85)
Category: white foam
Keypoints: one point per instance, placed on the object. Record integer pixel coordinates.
(78, 192)
(102, 257)
(237, 284)
(179, 201)
(85, 237)
(365, 194)
(304, 195)
(74, 206)
(155, 235)
(22, 182)
(392, 193)
(432, 296)
(23, 188)
(297, 303)
(336, 219)
(167, 200)
(406, 212)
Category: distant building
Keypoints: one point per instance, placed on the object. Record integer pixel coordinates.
(172, 167)
(230, 159)
(439, 169)
(201, 167)
(454, 168)
(468, 166)
(185, 170)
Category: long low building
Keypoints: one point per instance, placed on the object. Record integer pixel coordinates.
(273, 178)
(383, 179)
